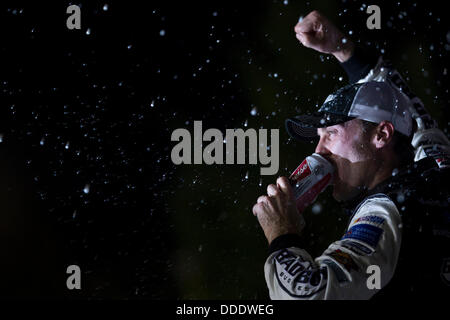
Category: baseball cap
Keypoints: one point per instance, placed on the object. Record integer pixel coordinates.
(372, 101)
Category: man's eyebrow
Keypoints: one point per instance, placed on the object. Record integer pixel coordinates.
(326, 129)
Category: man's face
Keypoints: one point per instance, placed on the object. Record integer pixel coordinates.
(348, 147)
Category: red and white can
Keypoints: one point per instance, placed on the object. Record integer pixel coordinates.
(310, 178)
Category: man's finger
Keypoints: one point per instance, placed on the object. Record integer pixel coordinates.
(261, 199)
(306, 25)
(284, 185)
(300, 38)
(312, 39)
(256, 208)
(259, 208)
(272, 190)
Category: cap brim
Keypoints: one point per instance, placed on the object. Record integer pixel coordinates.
(304, 127)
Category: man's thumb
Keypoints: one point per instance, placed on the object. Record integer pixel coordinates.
(310, 39)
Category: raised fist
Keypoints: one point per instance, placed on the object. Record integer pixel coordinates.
(315, 31)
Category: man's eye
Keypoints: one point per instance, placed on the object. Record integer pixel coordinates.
(330, 132)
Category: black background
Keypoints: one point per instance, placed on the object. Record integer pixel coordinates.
(97, 108)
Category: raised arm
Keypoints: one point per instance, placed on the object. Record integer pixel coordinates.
(315, 31)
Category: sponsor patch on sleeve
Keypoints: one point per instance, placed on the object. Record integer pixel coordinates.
(344, 259)
(378, 221)
(364, 232)
(297, 277)
(356, 248)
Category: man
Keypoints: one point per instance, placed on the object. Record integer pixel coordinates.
(391, 173)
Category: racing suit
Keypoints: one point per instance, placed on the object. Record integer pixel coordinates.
(397, 240)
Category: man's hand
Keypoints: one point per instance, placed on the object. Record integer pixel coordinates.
(315, 31)
(277, 212)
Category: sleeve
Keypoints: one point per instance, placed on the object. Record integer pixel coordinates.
(373, 238)
(359, 64)
(428, 139)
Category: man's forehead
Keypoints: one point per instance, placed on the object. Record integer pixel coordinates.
(354, 123)
(336, 126)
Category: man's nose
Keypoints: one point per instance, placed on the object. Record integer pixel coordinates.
(321, 148)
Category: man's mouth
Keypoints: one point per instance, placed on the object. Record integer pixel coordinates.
(334, 177)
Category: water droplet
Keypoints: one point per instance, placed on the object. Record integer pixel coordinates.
(87, 188)
(162, 33)
(317, 208)
(105, 7)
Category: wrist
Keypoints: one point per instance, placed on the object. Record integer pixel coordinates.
(345, 52)
(297, 230)
(286, 241)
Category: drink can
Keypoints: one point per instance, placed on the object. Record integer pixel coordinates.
(310, 178)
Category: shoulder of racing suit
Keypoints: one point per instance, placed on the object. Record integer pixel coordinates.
(421, 194)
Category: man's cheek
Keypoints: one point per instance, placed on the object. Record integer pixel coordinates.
(339, 150)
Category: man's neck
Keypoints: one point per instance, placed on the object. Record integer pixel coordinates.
(383, 172)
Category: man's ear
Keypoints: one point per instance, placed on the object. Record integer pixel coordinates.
(383, 134)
